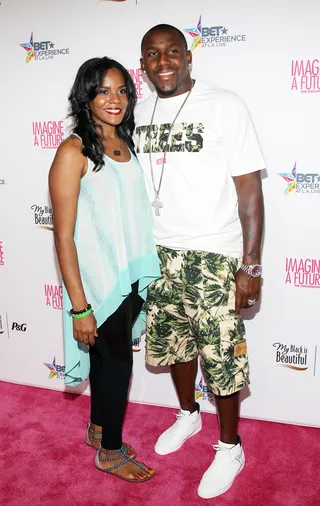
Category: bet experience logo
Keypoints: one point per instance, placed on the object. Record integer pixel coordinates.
(301, 182)
(212, 36)
(43, 50)
(56, 371)
(201, 392)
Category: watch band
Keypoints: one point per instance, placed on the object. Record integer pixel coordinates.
(254, 270)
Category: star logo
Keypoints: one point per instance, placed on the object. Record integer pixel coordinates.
(52, 368)
(291, 179)
(196, 34)
(29, 47)
(198, 393)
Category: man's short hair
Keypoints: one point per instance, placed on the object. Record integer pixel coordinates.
(164, 26)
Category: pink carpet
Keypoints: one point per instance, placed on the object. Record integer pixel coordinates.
(44, 460)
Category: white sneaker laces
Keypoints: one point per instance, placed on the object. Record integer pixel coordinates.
(226, 451)
(181, 418)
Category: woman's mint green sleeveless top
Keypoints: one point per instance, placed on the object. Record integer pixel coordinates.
(115, 246)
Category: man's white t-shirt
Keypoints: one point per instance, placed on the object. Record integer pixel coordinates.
(212, 140)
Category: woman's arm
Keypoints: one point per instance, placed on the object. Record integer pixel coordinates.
(64, 183)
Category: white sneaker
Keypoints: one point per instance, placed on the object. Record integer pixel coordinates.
(187, 425)
(226, 466)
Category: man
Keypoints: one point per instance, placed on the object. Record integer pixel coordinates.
(202, 162)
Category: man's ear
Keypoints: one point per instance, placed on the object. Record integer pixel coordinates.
(189, 57)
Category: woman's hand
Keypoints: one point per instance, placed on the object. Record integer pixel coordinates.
(85, 329)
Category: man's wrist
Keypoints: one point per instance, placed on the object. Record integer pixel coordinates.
(251, 260)
(254, 270)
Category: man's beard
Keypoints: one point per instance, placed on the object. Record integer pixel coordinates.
(166, 93)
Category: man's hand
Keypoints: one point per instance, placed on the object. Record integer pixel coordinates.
(247, 288)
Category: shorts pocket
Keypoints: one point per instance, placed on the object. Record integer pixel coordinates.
(234, 357)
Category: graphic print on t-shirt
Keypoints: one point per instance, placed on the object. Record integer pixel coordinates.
(184, 137)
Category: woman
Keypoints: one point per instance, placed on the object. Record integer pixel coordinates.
(105, 250)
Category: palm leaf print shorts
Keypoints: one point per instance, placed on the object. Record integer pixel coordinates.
(190, 312)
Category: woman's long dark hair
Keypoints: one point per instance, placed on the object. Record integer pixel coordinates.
(85, 88)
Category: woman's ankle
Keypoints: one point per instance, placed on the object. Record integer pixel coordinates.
(94, 427)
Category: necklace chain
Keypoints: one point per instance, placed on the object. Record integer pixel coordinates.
(156, 203)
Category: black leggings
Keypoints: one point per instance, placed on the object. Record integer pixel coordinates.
(110, 370)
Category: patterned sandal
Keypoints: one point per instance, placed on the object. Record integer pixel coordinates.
(128, 448)
(116, 466)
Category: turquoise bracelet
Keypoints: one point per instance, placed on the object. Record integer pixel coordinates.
(82, 315)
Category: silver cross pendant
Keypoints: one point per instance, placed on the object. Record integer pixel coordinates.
(157, 204)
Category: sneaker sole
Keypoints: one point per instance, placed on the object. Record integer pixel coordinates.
(178, 448)
(224, 489)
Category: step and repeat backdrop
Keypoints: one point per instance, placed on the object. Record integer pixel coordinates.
(268, 53)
